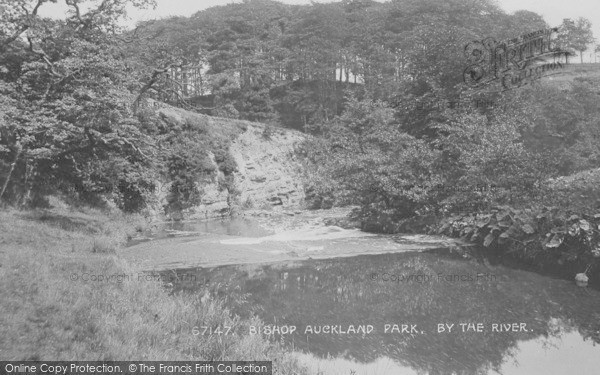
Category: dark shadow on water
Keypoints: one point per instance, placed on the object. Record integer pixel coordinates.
(376, 290)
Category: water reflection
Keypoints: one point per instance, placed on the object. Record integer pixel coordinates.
(235, 226)
(561, 321)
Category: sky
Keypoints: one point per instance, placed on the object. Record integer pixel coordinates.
(553, 11)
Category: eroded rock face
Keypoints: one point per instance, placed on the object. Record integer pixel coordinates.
(269, 173)
(268, 176)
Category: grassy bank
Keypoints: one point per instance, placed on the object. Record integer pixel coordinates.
(49, 314)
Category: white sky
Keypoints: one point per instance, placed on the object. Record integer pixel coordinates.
(553, 11)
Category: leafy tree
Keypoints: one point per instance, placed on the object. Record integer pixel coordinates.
(486, 161)
(561, 127)
(65, 84)
(370, 161)
(576, 35)
(167, 58)
(241, 43)
(289, 62)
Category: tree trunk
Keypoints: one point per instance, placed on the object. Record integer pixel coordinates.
(27, 184)
(12, 168)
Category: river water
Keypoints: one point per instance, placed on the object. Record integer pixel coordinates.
(407, 312)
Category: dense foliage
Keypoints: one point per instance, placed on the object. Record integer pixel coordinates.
(266, 61)
(67, 122)
(73, 118)
(352, 74)
(546, 236)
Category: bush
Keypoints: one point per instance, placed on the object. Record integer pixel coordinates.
(546, 234)
(367, 160)
(225, 160)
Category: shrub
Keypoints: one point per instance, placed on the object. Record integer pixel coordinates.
(544, 233)
(225, 160)
(366, 159)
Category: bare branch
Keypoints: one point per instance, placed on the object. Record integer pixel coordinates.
(15, 35)
(183, 101)
(134, 148)
(26, 26)
(174, 81)
(37, 6)
(153, 79)
(44, 57)
(75, 6)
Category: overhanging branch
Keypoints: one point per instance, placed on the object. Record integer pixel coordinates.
(26, 26)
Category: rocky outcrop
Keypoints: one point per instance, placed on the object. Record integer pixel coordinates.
(268, 176)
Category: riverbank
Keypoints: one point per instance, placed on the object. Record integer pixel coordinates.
(68, 295)
(559, 241)
(550, 241)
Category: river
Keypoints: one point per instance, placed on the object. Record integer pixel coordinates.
(348, 302)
